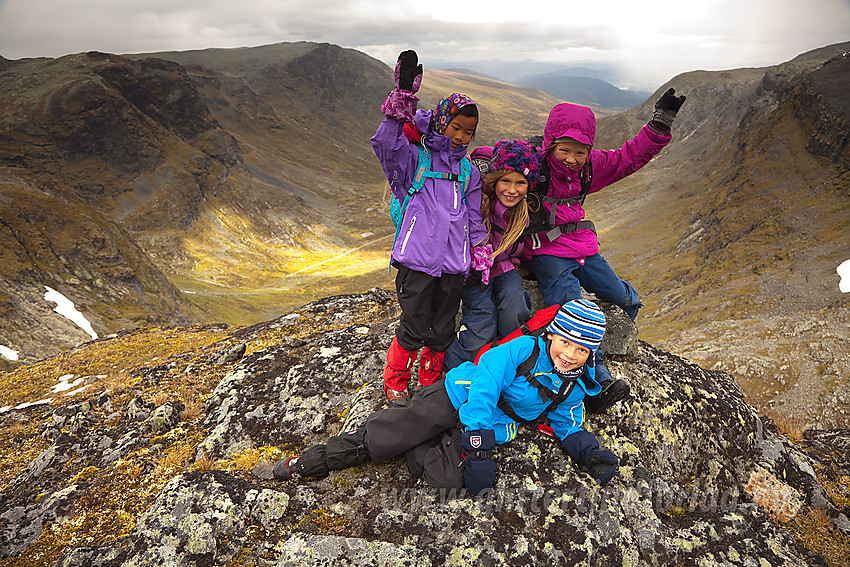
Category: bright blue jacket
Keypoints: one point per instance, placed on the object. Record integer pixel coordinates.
(475, 390)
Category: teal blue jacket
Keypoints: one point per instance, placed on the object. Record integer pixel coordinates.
(475, 390)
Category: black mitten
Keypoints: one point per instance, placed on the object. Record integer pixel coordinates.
(601, 466)
(666, 109)
(612, 392)
(583, 448)
(408, 69)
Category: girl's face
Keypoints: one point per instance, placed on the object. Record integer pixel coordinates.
(571, 154)
(461, 129)
(511, 188)
(565, 354)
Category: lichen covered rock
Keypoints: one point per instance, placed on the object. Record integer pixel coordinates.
(198, 519)
(703, 479)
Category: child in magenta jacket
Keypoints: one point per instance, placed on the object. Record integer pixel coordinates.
(566, 259)
(441, 231)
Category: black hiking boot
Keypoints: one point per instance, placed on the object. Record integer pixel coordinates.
(612, 392)
(283, 469)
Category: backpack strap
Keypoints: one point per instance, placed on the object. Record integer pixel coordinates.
(465, 175)
(423, 172)
(569, 227)
(547, 224)
(546, 395)
(586, 176)
(422, 169)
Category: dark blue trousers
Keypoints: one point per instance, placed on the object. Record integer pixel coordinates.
(561, 280)
(494, 312)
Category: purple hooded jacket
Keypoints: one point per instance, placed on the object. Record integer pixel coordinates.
(439, 228)
(578, 122)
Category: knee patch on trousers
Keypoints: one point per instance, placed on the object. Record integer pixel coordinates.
(347, 450)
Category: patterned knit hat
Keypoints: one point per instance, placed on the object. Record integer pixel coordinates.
(447, 109)
(518, 155)
(580, 321)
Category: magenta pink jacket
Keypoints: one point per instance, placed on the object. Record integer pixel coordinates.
(509, 259)
(608, 166)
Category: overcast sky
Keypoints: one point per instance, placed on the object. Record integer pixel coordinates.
(652, 40)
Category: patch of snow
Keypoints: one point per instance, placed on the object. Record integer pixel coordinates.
(187, 292)
(8, 353)
(366, 234)
(843, 270)
(65, 307)
(66, 384)
(30, 404)
(78, 390)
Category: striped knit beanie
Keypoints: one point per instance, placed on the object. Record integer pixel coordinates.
(519, 156)
(580, 321)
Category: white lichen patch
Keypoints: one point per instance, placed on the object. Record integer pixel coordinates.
(327, 352)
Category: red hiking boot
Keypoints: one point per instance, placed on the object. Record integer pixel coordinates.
(430, 366)
(397, 373)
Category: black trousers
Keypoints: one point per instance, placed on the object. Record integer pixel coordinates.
(426, 431)
(394, 431)
(428, 308)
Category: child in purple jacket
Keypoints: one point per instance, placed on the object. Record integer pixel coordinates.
(567, 258)
(441, 232)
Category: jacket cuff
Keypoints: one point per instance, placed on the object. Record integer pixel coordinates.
(400, 105)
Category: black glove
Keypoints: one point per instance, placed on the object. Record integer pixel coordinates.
(408, 68)
(479, 475)
(612, 392)
(665, 110)
(583, 448)
(601, 466)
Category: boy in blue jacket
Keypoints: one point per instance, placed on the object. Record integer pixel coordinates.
(461, 420)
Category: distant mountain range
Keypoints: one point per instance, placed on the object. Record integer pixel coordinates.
(580, 85)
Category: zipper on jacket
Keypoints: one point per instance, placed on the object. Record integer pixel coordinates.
(455, 190)
(465, 241)
(409, 231)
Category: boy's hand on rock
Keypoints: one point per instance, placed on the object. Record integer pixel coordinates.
(602, 465)
(479, 475)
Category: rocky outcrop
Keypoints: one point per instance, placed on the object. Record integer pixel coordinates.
(703, 479)
(180, 529)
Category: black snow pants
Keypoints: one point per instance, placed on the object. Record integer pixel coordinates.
(426, 431)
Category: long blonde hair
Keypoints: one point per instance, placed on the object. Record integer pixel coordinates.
(516, 217)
